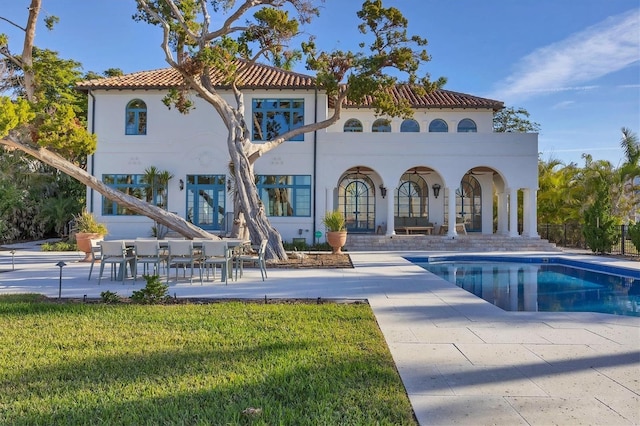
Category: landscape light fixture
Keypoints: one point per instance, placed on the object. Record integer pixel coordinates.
(60, 264)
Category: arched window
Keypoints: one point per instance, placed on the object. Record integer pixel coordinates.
(409, 125)
(438, 126)
(352, 125)
(136, 118)
(467, 126)
(357, 201)
(469, 204)
(381, 125)
(412, 196)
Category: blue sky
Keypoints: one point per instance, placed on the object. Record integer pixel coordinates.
(573, 64)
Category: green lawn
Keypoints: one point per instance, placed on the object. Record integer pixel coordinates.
(208, 364)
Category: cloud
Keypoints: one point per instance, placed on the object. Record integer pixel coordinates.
(563, 105)
(601, 49)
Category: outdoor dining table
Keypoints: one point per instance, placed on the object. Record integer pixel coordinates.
(233, 243)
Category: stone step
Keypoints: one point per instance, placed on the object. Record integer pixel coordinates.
(367, 242)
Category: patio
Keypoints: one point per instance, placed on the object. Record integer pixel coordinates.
(462, 360)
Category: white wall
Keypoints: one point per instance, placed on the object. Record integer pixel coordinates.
(197, 144)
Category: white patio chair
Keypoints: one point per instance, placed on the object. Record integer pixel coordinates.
(214, 254)
(115, 253)
(148, 253)
(257, 258)
(96, 253)
(181, 254)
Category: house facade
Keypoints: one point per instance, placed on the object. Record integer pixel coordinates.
(442, 167)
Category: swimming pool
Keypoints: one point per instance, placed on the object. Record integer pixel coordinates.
(544, 284)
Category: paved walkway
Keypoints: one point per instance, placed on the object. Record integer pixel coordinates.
(462, 360)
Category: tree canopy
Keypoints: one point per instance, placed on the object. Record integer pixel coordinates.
(511, 119)
(249, 31)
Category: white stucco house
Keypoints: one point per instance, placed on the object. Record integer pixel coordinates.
(445, 165)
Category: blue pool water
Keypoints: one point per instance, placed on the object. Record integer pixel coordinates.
(541, 283)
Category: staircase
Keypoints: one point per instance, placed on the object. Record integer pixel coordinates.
(464, 243)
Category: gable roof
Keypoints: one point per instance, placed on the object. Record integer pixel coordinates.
(260, 76)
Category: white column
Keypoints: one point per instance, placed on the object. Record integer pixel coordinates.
(503, 216)
(390, 212)
(513, 212)
(451, 220)
(530, 211)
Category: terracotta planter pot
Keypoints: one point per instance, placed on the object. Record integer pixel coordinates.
(336, 240)
(83, 240)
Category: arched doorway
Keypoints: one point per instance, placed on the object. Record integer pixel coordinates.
(357, 201)
(469, 203)
(412, 196)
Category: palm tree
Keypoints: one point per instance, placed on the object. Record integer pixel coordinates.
(625, 199)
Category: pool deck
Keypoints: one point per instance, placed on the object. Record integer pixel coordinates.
(462, 360)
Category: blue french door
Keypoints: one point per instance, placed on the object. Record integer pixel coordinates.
(206, 201)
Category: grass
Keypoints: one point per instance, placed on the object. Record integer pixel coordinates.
(195, 364)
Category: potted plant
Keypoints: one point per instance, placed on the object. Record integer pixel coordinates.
(87, 228)
(336, 230)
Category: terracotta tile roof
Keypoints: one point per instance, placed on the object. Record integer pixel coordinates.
(256, 76)
(268, 77)
(436, 99)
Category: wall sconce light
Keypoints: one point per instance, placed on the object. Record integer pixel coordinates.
(436, 189)
(228, 184)
(181, 184)
(383, 191)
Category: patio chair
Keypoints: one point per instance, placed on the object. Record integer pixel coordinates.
(181, 254)
(115, 253)
(257, 259)
(96, 253)
(214, 254)
(148, 253)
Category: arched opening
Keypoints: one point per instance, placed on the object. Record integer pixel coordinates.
(357, 201)
(468, 204)
(409, 125)
(412, 196)
(352, 125)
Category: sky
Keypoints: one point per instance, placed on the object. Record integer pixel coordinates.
(574, 65)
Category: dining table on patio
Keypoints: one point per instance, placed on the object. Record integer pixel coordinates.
(236, 245)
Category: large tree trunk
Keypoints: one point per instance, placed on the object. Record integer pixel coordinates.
(170, 220)
(247, 200)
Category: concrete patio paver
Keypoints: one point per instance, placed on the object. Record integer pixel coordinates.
(461, 359)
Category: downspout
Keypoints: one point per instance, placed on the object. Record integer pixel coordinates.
(315, 163)
(93, 131)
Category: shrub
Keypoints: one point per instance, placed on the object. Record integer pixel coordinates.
(109, 297)
(86, 222)
(154, 292)
(334, 221)
(634, 234)
(59, 246)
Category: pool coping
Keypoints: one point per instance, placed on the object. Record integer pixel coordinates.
(593, 265)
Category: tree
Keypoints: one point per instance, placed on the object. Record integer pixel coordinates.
(599, 224)
(625, 197)
(251, 30)
(558, 194)
(514, 120)
(45, 121)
